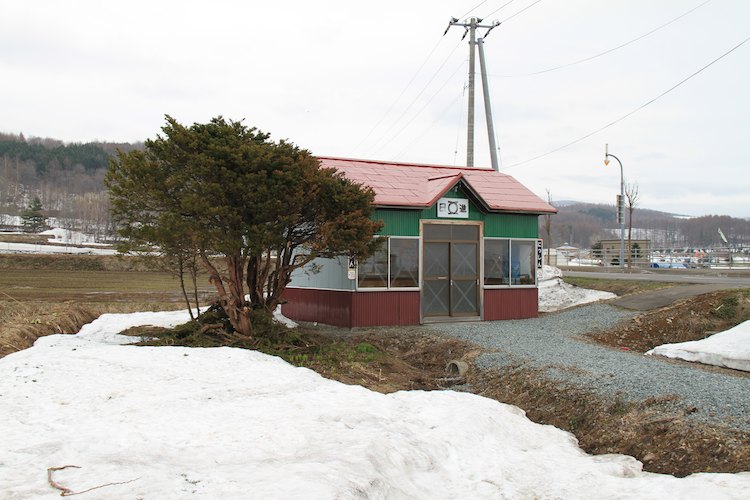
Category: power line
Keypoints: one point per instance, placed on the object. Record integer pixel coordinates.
(520, 11)
(393, 104)
(474, 8)
(406, 110)
(434, 122)
(634, 111)
(586, 59)
(499, 8)
(424, 106)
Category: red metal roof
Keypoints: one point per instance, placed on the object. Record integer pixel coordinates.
(420, 186)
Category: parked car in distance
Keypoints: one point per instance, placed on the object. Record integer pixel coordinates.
(668, 265)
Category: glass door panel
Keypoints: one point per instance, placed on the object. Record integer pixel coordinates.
(450, 270)
(436, 293)
(464, 275)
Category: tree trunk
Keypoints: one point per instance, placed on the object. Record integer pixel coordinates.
(194, 278)
(630, 247)
(630, 231)
(232, 302)
(181, 268)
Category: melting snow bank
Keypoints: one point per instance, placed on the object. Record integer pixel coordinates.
(730, 349)
(69, 237)
(8, 247)
(168, 422)
(555, 294)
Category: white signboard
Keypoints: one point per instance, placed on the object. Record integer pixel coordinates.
(539, 254)
(352, 269)
(453, 208)
(539, 260)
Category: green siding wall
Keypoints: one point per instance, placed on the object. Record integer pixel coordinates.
(511, 225)
(400, 222)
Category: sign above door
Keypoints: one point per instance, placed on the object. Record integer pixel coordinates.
(453, 208)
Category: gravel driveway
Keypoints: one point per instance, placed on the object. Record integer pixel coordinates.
(550, 342)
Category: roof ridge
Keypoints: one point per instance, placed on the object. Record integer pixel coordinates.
(406, 164)
(440, 177)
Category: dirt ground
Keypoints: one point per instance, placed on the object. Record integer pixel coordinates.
(685, 320)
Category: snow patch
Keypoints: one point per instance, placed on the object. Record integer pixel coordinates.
(69, 237)
(730, 349)
(555, 294)
(283, 319)
(163, 420)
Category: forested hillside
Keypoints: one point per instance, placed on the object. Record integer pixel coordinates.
(67, 178)
(582, 224)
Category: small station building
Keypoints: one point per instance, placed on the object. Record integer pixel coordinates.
(461, 244)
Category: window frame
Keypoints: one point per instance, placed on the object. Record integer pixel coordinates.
(510, 283)
(388, 287)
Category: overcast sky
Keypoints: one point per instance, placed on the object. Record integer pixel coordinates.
(378, 80)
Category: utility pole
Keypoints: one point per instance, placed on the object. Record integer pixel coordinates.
(470, 28)
(488, 107)
(470, 114)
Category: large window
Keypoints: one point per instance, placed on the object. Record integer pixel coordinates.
(373, 273)
(509, 262)
(496, 262)
(394, 265)
(404, 262)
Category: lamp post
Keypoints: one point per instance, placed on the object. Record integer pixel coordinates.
(620, 204)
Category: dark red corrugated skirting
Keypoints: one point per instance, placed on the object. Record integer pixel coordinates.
(329, 307)
(511, 303)
(354, 309)
(385, 308)
(351, 309)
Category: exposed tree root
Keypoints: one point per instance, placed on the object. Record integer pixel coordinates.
(67, 492)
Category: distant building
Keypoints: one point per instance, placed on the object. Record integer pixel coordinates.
(562, 255)
(461, 243)
(609, 253)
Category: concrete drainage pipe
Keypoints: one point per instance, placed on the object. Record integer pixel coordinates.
(457, 368)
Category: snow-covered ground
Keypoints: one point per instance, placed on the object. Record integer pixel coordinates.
(69, 237)
(170, 422)
(555, 294)
(7, 247)
(62, 241)
(730, 349)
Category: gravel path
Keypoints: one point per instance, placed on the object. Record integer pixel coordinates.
(550, 342)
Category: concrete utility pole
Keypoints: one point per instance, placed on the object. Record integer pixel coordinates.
(470, 114)
(488, 108)
(470, 28)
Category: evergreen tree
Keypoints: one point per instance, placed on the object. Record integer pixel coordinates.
(264, 208)
(32, 218)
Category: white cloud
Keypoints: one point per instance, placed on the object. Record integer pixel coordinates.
(322, 74)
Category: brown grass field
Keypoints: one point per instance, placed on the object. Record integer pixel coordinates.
(41, 295)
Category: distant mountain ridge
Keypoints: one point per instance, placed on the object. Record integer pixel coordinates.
(581, 224)
(68, 179)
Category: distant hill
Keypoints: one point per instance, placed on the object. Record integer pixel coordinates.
(582, 224)
(68, 179)
(52, 169)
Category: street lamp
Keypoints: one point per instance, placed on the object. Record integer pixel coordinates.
(620, 204)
